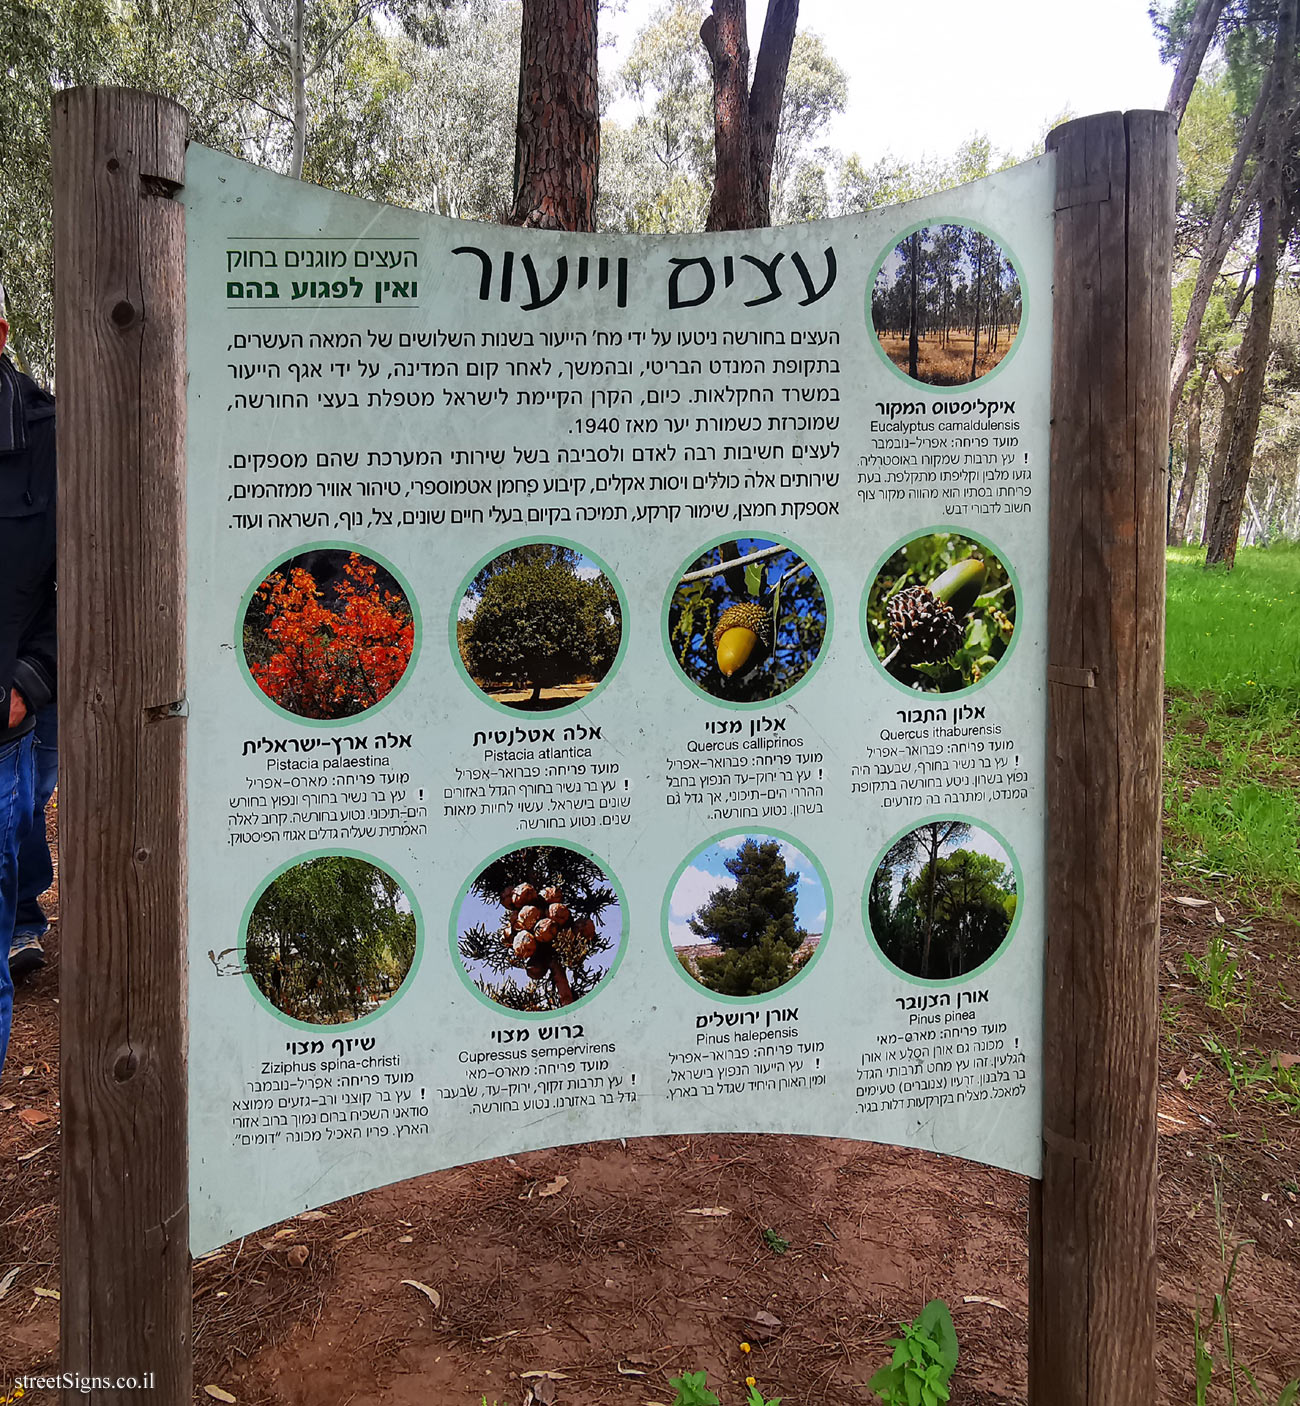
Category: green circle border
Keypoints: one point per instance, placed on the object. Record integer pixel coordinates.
(698, 987)
(780, 698)
(407, 980)
(453, 935)
(871, 580)
(1024, 304)
(1003, 948)
(570, 708)
(392, 693)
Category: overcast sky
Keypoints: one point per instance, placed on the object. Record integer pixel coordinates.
(924, 76)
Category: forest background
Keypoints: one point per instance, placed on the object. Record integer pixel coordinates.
(418, 102)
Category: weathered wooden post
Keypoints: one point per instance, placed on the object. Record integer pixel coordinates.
(120, 323)
(1093, 1232)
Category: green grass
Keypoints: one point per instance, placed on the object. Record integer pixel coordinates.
(1232, 740)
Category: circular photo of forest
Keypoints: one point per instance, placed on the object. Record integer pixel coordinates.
(747, 619)
(747, 914)
(539, 928)
(940, 613)
(330, 940)
(946, 304)
(539, 627)
(942, 901)
(328, 633)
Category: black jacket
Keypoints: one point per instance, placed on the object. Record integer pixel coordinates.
(28, 642)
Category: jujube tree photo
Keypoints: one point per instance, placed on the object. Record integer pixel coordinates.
(330, 940)
(539, 627)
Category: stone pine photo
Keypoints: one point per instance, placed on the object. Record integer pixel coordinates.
(328, 634)
(330, 940)
(539, 928)
(941, 613)
(747, 914)
(747, 619)
(946, 304)
(539, 627)
(942, 900)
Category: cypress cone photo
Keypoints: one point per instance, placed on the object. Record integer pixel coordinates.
(941, 613)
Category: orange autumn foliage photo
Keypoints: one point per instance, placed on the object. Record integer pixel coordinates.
(326, 637)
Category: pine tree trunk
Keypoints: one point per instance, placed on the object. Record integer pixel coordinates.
(765, 98)
(1192, 469)
(1229, 385)
(1225, 515)
(1200, 32)
(726, 39)
(1225, 225)
(298, 77)
(557, 136)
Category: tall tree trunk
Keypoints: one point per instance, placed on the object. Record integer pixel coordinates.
(1225, 225)
(298, 78)
(1191, 471)
(912, 331)
(745, 119)
(557, 136)
(1229, 385)
(727, 41)
(1200, 32)
(765, 98)
(979, 286)
(1225, 520)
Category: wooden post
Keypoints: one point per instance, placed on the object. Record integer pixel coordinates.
(1092, 1293)
(120, 326)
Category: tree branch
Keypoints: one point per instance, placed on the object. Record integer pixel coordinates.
(1200, 33)
(706, 572)
(724, 36)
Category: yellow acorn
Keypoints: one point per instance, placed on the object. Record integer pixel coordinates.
(743, 637)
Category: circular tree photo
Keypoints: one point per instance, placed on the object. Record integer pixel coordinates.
(539, 928)
(539, 627)
(942, 900)
(747, 914)
(328, 634)
(747, 620)
(946, 305)
(941, 613)
(330, 940)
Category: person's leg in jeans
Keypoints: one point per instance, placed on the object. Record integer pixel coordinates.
(17, 794)
(35, 867)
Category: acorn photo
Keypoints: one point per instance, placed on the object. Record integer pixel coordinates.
(940, 612)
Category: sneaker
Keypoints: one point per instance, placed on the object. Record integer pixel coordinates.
(26, 955)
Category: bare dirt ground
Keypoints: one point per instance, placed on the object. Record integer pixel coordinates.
(948, 364)
(598, 1267)
(558, 697)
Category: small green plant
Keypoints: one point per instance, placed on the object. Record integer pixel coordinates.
(924, 1360)
(774, 1242)
(692, 1390)
(1218, 973)
(1221, 1318)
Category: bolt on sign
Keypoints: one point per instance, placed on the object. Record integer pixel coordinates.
(617, 684)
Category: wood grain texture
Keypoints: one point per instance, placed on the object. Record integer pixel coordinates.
(1092, 1232)
(120, 325)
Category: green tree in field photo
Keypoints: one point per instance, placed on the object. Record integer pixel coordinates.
(330, 939)
(538, 625)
